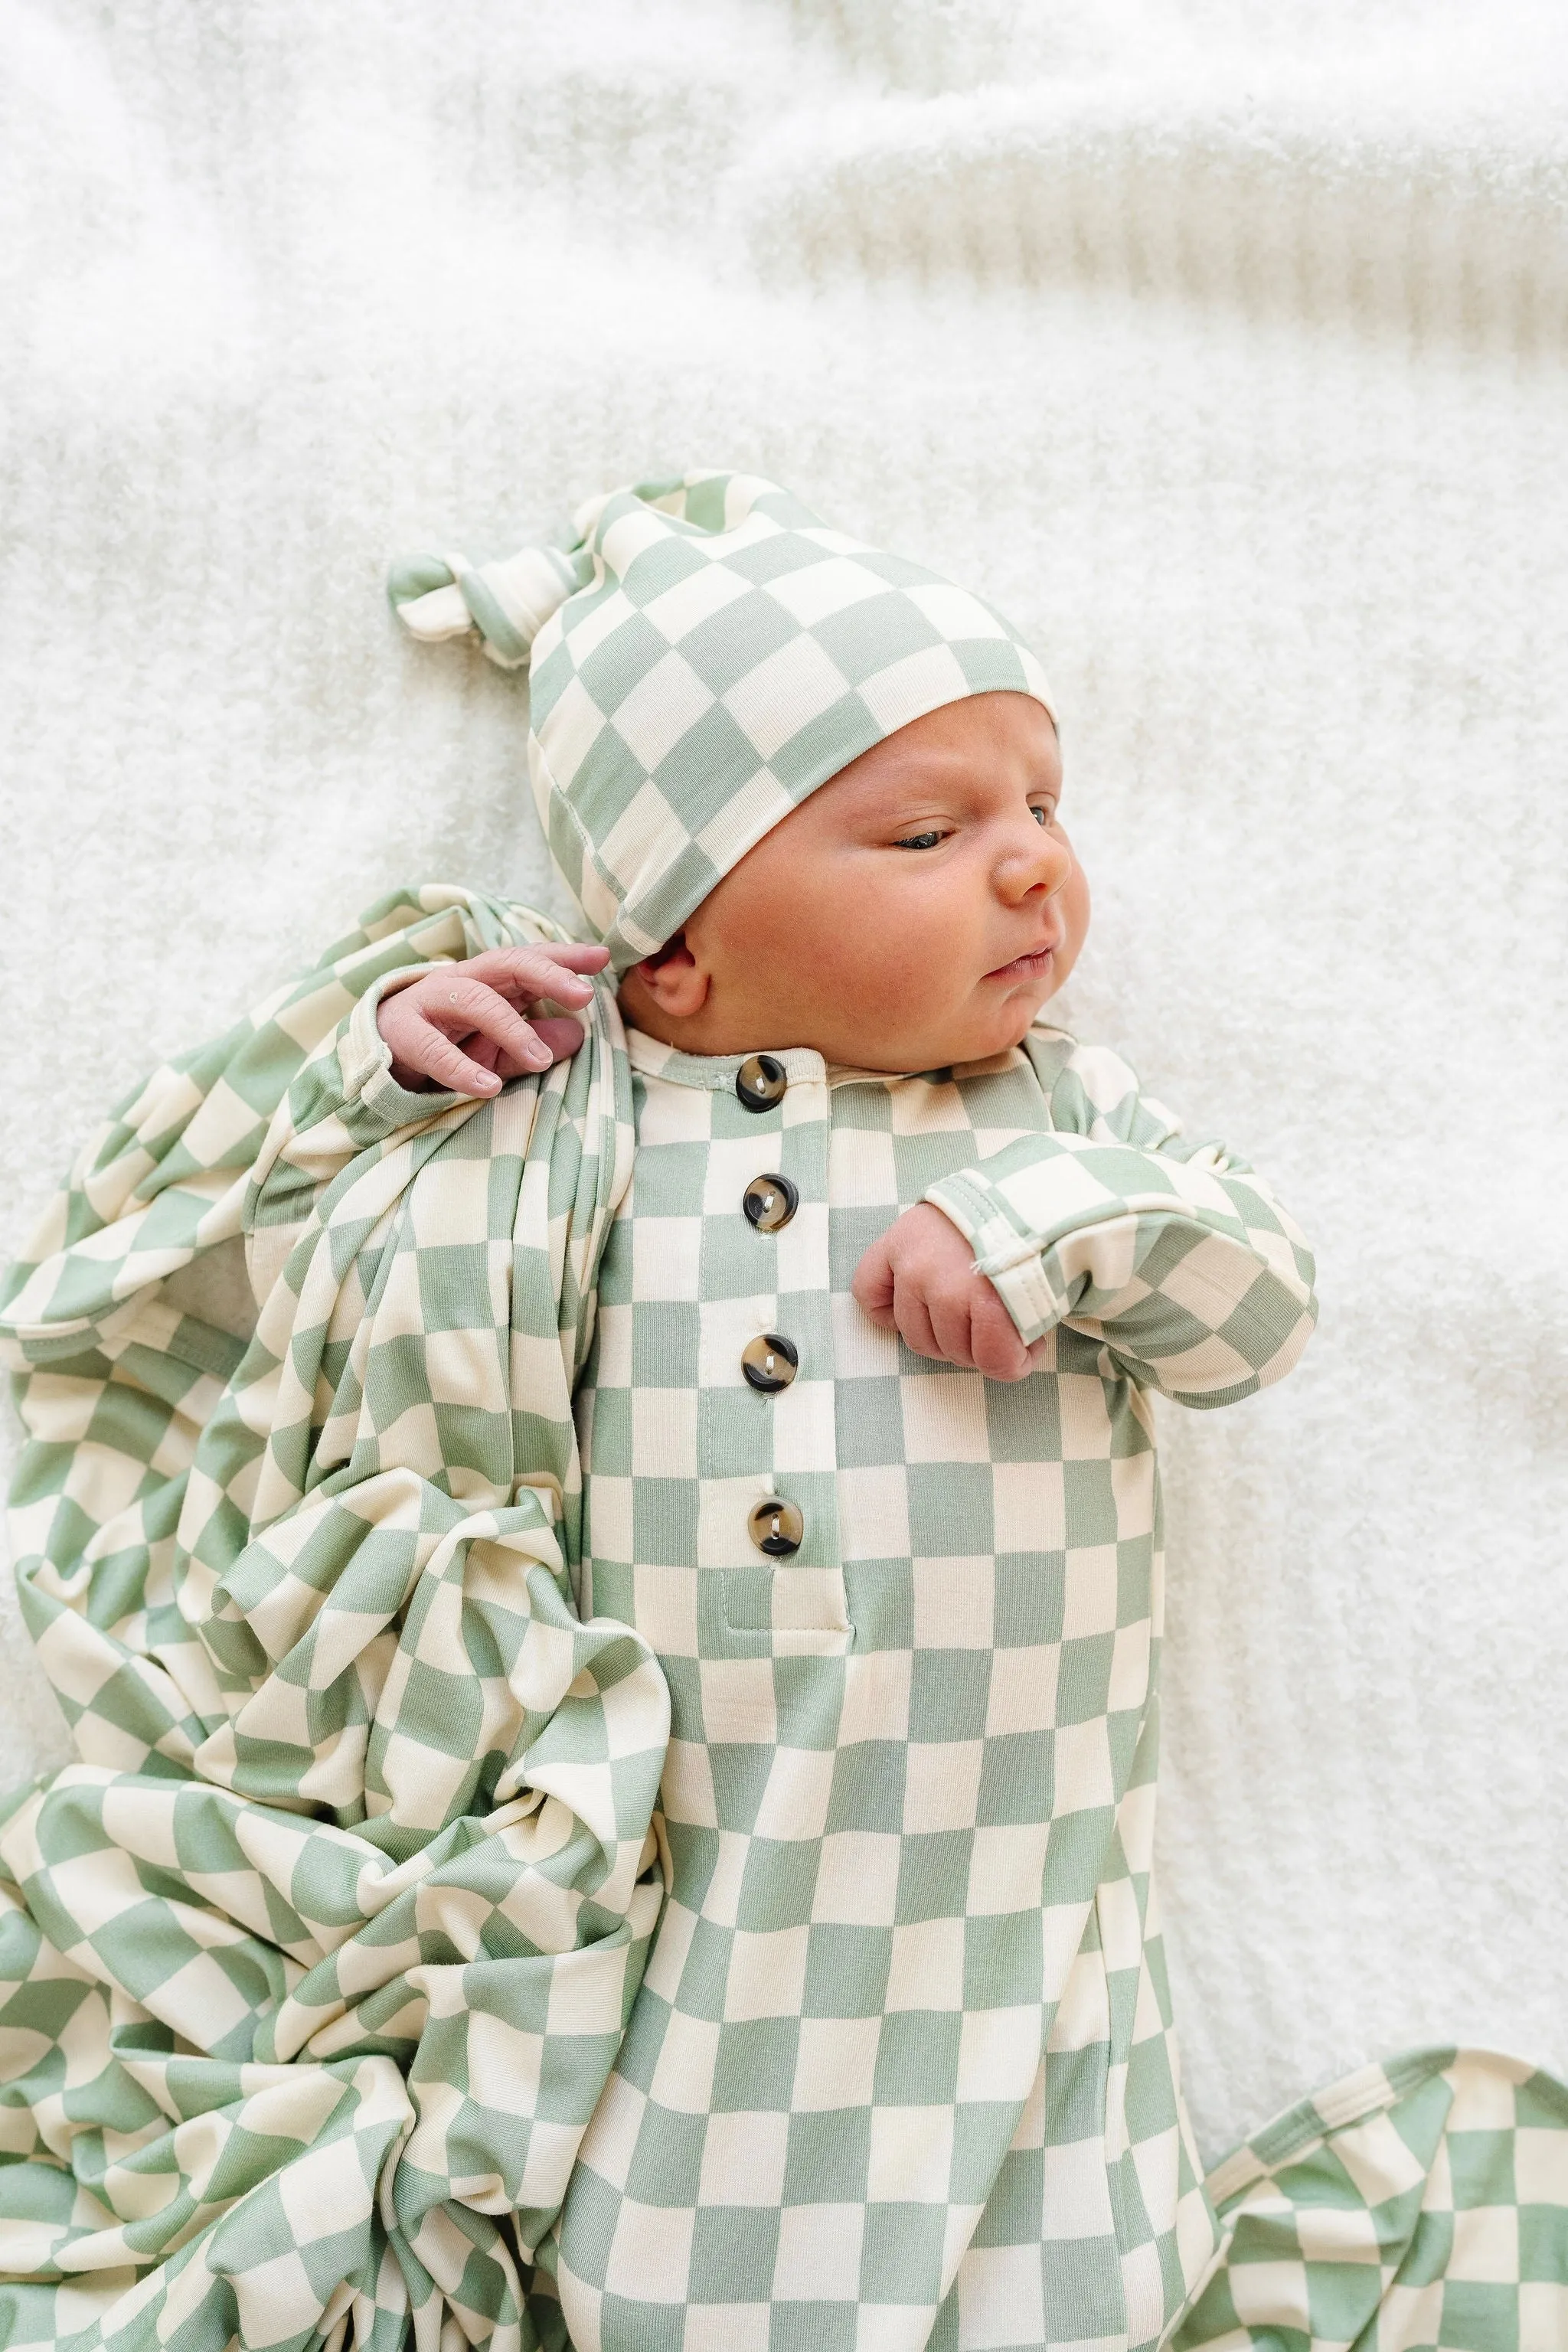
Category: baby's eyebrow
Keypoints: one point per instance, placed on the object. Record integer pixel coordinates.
(900, 805)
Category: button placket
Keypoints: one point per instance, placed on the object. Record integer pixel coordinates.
(770, 1361)
(803, 1414)
(790, 1525)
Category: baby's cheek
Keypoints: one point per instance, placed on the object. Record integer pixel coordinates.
(1075, 909)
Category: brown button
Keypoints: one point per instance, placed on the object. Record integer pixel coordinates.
(770, 1361)
(776, 1528)
(770, 1202)
(760, 1082)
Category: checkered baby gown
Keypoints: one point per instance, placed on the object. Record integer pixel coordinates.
(900, 2071)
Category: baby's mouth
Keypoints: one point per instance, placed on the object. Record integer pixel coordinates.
(1033, 966)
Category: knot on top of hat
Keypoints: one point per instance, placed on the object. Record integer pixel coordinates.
(438, 596)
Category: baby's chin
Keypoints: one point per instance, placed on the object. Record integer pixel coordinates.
(997, 1028)
(956, 1038)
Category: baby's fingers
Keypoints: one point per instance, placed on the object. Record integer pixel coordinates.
(459, 1006)
(997, 1350)
(431, 1054)
(552, 970)
(951, 1321)
(912, 1316)
(872, 1287)
(560, 1033)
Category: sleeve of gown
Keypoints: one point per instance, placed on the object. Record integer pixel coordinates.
(1177, 1256)
(118, 1323)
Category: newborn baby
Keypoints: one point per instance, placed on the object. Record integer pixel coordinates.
(869, 1463)
(614, 1707)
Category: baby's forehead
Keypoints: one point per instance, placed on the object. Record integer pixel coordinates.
(1002, 736)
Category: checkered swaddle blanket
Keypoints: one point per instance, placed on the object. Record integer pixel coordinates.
(314, 1965)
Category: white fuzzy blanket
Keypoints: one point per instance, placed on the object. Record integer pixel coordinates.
(1225, 355)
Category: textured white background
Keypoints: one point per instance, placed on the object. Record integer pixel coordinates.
(1223, 347)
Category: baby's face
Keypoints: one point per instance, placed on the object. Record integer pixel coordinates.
(916, 911)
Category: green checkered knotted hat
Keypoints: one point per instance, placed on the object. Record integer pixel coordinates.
(703, 657)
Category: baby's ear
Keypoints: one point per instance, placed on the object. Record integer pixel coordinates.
(674, 979)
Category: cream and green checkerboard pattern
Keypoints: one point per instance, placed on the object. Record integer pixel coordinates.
(357, 1985)
(1420, 2206)
(902, 2069)
(313, 1967)
(707, 653)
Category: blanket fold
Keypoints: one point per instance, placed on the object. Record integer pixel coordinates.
(313, 1966)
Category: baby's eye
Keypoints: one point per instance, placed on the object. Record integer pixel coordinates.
(919, 841)
(1042, 815)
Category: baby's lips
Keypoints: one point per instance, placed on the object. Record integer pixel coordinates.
(1041, 947)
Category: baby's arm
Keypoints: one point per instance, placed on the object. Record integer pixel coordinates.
(110, 1321)
(1178, 1258)
(276, 1107)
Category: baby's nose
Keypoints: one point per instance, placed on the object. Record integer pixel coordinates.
(1040, 859)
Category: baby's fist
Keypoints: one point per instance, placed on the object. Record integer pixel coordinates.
(919, 1281)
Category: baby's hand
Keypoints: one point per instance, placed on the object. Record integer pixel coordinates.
(920, 1280)
(462, 1025)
